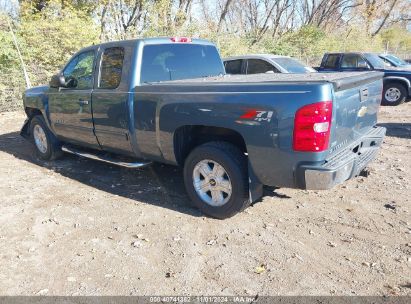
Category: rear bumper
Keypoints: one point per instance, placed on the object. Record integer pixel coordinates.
(342, 165)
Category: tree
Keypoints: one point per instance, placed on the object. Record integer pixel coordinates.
(50, 36)
(380, 14)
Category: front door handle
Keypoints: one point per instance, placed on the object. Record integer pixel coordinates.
(82, 102)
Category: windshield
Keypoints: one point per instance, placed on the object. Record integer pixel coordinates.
(395, 59)
(162, 62)
(292, 66)
(375, 61)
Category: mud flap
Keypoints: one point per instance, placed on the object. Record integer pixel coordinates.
(24, 132)
(254, 185)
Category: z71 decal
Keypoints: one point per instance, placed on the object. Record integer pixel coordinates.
(257, 115)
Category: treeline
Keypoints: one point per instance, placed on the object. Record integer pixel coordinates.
(49, 31)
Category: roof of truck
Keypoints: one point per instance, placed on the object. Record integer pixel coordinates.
(154, 40)
(146, 41)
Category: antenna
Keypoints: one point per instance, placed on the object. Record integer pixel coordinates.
(26, 75)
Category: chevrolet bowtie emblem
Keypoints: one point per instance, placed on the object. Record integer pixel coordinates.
(362, 112)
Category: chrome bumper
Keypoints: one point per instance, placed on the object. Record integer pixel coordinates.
(344, 164)
(321, 180)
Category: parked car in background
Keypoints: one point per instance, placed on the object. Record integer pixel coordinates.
(394, 61)
(264, 63)
(397, 81)
(167, 100)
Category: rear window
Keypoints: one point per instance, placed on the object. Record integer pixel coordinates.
(163, 62)
(233, 66)
(331, 61)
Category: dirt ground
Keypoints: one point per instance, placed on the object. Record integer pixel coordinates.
(79, 227)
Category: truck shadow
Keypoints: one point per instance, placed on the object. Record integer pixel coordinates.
(400, 130)
(157, 184)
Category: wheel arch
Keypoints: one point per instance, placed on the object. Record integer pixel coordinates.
(187, 137)
(398, 80)
(31, 112)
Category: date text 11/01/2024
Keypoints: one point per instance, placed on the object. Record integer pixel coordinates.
(202, 299)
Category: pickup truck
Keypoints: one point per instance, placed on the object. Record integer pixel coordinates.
(167, 100)
(397, 81)
(264, 63)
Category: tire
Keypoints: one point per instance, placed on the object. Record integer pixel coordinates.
(394, 94)
(218, 156)
(46, 145)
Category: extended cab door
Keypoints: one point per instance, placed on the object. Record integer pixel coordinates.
(110, 98)
(70, 107)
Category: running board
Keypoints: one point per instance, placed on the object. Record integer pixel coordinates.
(105, 159)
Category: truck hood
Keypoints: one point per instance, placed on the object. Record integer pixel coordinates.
(34, 91)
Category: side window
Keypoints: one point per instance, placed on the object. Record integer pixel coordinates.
(79, 72)
(353, 61)
(256, 66)
(331, 61)
(111, 68)
(233, 66)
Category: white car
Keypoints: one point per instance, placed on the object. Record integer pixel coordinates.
(264, 63)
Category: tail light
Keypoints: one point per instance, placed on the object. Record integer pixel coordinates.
(180, 39)
(312, 125)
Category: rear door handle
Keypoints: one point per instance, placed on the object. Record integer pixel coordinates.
(82, 102)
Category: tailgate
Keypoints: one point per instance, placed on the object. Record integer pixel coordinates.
(355, 107)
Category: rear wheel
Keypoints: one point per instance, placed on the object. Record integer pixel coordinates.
(46, 144)
(393, 94)
(215, 176)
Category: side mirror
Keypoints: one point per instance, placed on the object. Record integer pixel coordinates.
(71, 82)
(57, 81)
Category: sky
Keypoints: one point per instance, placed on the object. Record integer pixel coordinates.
(11, 7)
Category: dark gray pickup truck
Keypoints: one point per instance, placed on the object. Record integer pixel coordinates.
(397, 80)
(167, 100)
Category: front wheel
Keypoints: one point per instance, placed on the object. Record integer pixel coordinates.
(393, 94)
(215, 176)
(46, 144)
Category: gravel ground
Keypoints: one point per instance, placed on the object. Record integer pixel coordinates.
(79, 227)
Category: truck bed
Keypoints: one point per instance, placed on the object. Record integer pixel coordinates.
(340, 81)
